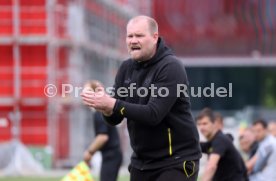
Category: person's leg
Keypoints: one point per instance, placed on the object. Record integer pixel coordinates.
(111, 163)
(186, 171)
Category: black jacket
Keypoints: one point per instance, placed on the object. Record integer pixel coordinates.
(162, 130)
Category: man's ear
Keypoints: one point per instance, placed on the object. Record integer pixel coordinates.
(155, 36)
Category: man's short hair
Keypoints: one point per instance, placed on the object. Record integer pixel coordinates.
(153, 26)
(206, 112)
(261, 122)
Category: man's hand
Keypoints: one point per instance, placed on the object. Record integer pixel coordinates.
(98, 99)
(93, 85)
(87, 157)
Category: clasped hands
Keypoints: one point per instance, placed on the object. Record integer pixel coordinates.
(94, 96)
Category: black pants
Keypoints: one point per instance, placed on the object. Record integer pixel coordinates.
(111, 162)
(185, 171)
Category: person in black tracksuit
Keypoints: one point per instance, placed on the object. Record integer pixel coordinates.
(162, 131)
(108, 143)
(224, 162)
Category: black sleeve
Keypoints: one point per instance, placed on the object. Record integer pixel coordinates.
(99, 124)
(230, 136)
(205, 147)
(219, 146)
(158, 107)
(117, 118)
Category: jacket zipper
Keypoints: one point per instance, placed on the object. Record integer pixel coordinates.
(170, 141)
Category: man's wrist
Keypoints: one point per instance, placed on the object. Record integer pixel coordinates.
(107, 114)
(112, 104)
(110, 109)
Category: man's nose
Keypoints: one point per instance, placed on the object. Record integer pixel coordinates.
(134, 40)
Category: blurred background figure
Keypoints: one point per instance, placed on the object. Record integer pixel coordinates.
(248, 143)
(222, 153)
(262, 165)
(272, 128)
(219, 124)
(108, 143)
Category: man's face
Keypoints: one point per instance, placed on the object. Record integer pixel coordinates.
(206, 127)
(246, 140)
(141, 43)
(245, 145)
(259, 132)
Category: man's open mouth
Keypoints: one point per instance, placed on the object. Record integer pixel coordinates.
(135, 48)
